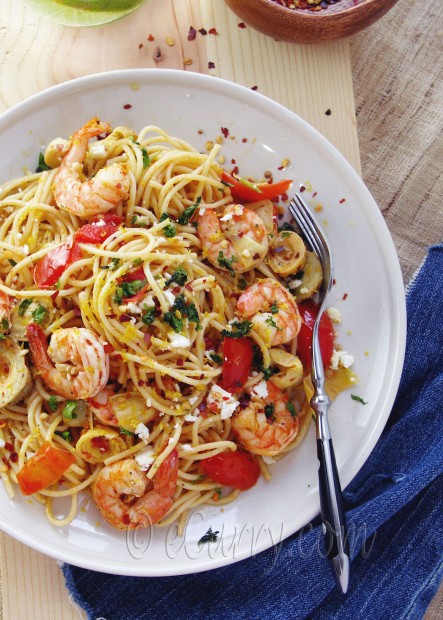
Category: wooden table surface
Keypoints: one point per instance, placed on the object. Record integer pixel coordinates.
(36, 54)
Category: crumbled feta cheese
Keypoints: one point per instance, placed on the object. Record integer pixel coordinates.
(304, 290)
(192, 417)
(2, 443)
(227, 217)
(148, 402)
(294, 284)
(268, 460)
(260, 390)
(186, 447)
(142, 432)
(98, 149)
(226, 403)
(99, 223)
(170, 297)
(178, 340)
(246, 253)
(334, 314)
(341, 358)
(26, 248)
(193, 400)
(145, 458)
(133, 308)
(171, 440)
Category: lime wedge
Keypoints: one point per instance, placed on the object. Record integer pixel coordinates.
(84, 12)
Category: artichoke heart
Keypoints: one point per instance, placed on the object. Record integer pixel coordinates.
(15, 378)
(98, 444)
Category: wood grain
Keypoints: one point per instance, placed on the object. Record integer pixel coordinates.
(36, 54)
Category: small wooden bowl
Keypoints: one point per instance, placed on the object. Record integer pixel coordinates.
(336, 21)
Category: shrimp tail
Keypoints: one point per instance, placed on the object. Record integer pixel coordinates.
(166, 476)
(38, 346)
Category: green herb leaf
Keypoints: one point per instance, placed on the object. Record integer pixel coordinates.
(179, 276)
(24, 305)
(53, 403)
(123, 431)
(174, 321)
(242, 283)
(69, 409)
(146, 160)
(39, 314)
(209, 537)
(269, 412)
(286, 226)
(226, 262)
(2, 337)
(291, 408)
(12, 262)
(238, 329)
(150, 315)
(64, 434)
(215, 357)
(128, 289)
(169, 230)
(285, 234)
(42, 165)
(184, 218)
(5, 324)
(274, 308)
(359, 399)
(249, 184)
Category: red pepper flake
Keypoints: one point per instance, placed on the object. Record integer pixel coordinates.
(244, 140)
(234, 170)
(147, 338)
(314, 194)
(200, 132)
(188, 287)
(176, 290)
(254, 88)
(241, 25)
(140, 383)
(140, 46)
(328, 112)
(345, 296)
(211, 65)
(233, 161)
(108, 348)
(158, 56)
(124, 318)
(150, 37)
(180, 362)
(54, 296)
(225, 131)
(127, 106)
(334, 281)
(6, 462)
(201, 377)
(212, 31)
(13, 457)
(203, 31)
(192, 33)
(342, 200)
(302, 188)
(9, 446)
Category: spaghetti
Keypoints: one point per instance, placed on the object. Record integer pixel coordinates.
(130, 255)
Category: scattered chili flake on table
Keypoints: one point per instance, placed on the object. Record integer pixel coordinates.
(187, 61)
(140, 46)
(328, 112)
(242, 25)
(192, 33)
(158, 56)
(225, 131)
(254, 88)
(203, 31)
(150, 37)
(127, 106)
(212, 31)
(211, 65)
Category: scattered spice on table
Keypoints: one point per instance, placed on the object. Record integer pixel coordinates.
(192, 33)
(150, 37)
(211, 65)
(311, 5)
(170, 41)
(328, 112)
(158, 55)
(241, 25)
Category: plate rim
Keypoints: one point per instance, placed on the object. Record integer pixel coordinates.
(393, 270)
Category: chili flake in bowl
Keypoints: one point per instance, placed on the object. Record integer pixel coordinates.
(309, 21)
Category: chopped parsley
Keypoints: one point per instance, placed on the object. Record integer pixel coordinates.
(215, 357)
(274, 308)
(238, 329)
(291, 408)
(150, 315)
(242, 283)
(69, 409)
(2, 337)
(66, 435)
(52, 402)
(42, 165)
(179, 276)
(5, 324)
(184, 218)
(359, 399)
(39, 314)
(209, 537)
(146, 160)
(226, 262)
(285, 234)
(180, 309)
(286, 226)
(115, 262)
(269, 412)
(128, 289)
(270, 321)
(24, 305)
(123, 431)
(12, 262)
(169, 230)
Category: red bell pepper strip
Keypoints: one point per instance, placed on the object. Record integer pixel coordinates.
(255, 191)
(237, 363)
(46, 467)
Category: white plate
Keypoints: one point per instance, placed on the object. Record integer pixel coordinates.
(367, 270)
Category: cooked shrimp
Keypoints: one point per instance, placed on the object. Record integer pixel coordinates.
(96, 195)
(74, 365)
(128, 500)
(235, 242)
(125, 409)
(272, 310)
(266, 426)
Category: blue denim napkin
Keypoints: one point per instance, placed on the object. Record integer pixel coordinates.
(394, 512)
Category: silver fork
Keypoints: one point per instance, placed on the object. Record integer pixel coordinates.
(332, 513)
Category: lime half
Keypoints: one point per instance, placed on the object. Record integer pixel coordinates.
(84, 12)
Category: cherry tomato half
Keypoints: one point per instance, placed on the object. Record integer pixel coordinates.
(49, 268)
(99, 230)
(237, 362)
(43, 469)
(244, 193)
(232, 469)
(308, 311)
